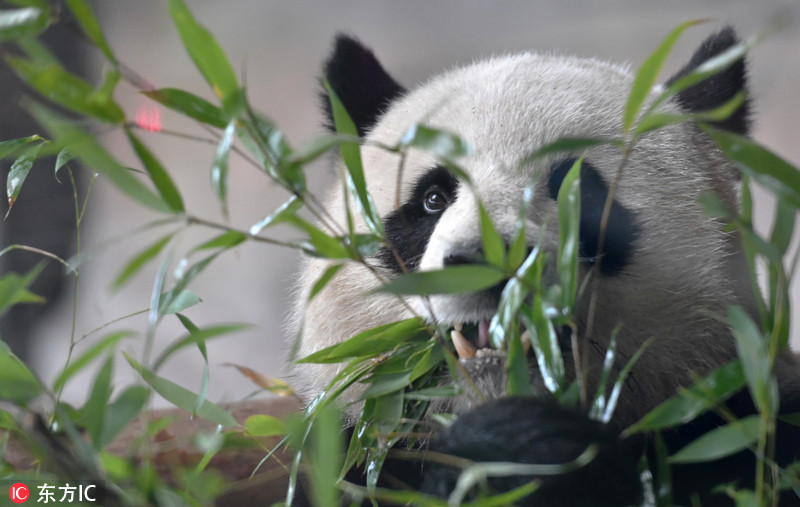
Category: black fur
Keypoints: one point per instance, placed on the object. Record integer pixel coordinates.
(359, 80)
(719, 88)
(621, 230)
(536, 431)
(409, 228)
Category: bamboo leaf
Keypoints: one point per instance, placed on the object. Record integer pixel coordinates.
(572, 145)
(451, 280)
(95, 408)
(443, 145)
(710, 67)
(783, 226)
(226, 240)
(19, 171)
(97, 158)
(760, 164)
(205, 52)
(158, 175)
(261, 425)
(386, 418)
(751, 347)
(197, 337)
(219, 171)
(14, 288)
(39, 4)
(36, 50)
(569, 212)
(511, 300)
(720, 442)
(718, 386)
(190, 105)
(326, 454)
(613, 398)
(646, 76)
(433, 393)
(493, 246)
(519, 379)
(182, 397)
(77, 365)
(17, 384)
(282, 214)
(140, 260)
(66, 89)
(201, 346)
(121, 412)
(64, 157)
(383, 384)
(167, 299)
(662, 480)
(9, 147)
(654, 121)
(105, 91)
(264, 140)
(25, 22)
(187, 323)
(320, 244)
(544, 341)
(425, 358)
(368, 343)
(351, 154)
(519, 246)
(318, 146)
(271, 384)
(177, 301)
(323, 280)
(86, 17)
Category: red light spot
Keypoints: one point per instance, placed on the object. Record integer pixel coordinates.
(149, 119)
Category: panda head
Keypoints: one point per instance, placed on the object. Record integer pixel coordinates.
(667, 271)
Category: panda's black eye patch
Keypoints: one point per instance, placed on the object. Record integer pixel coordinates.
(409, 228)
(621, 230)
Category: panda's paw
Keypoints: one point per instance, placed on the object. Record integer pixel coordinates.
(533, 431)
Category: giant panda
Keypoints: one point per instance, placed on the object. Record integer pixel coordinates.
(667, 272)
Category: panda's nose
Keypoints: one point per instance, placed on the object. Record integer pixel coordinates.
(463, 256)
(468, 256)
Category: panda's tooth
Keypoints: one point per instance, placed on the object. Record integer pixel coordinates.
(464, 348)
(458, 326)
(525, 338)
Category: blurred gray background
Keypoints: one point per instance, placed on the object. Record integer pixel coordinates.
(277, 48)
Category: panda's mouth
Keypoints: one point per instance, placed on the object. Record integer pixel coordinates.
(471, 341)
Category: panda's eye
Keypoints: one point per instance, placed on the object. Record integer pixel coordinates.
(435, 200)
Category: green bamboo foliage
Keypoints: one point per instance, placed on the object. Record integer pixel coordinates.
(400, 363)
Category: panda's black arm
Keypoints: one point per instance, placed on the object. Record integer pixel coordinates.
(530, 431)
(527, 430)
(537, 431)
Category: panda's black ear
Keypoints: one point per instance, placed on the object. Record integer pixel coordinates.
(360, 82)
(719, 88)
